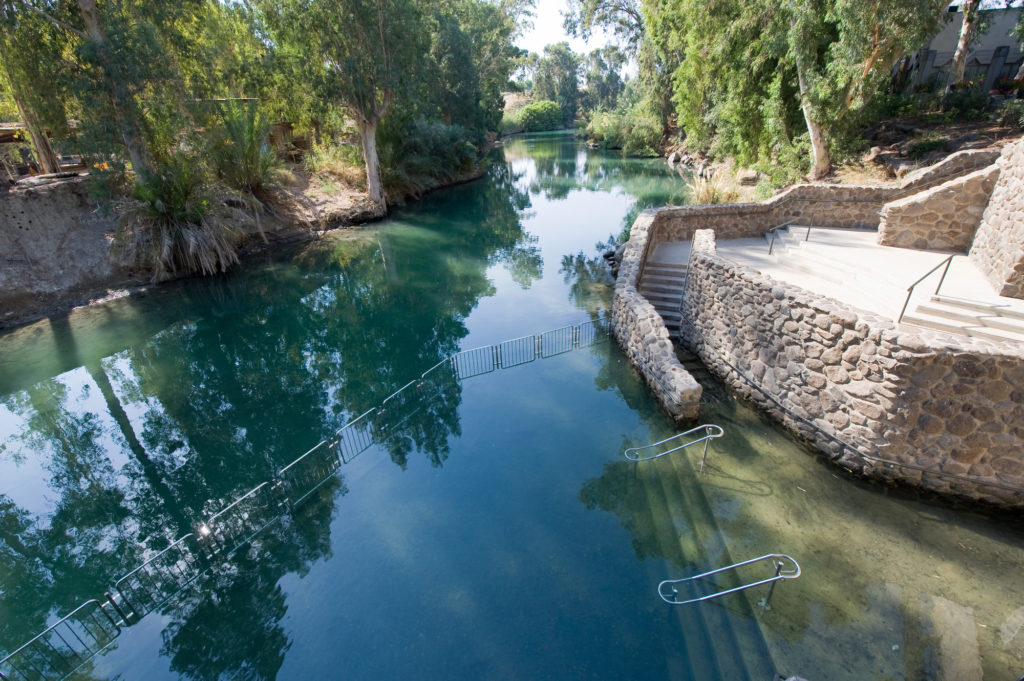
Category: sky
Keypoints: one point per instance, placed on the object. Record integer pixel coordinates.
(547, 30)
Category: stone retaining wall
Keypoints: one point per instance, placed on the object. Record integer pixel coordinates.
(942, 218)
(931, 403)
(952, 166)
(642, 334)
(998, 249)
(822, 205)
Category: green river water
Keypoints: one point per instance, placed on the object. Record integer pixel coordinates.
(492, 531)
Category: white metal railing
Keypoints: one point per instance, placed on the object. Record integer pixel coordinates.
(649, 452)
(785, 568)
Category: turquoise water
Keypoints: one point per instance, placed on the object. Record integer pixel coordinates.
(492, 532)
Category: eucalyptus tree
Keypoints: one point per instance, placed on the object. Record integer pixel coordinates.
(360, 53)
(556, 78)
(739, 60)
(31, 65)
(623, 18)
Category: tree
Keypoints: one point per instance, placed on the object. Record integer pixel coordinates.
(968, 30)
(603, 77)
(738, 59)
(557, 79)
(30, 64)
(624, 18)
(361, 53)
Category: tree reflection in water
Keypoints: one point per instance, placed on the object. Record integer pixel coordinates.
(244, 373)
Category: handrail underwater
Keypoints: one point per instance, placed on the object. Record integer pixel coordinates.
(711, 432)
(910, 290)
(782, 572)
(247, 516)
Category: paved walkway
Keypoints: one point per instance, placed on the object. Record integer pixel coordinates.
(850, 266)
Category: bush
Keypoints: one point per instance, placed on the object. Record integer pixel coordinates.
(539, 116)
(178, 221)
(423, 155)
(920, 148)
(633, 131)
(1010, 113)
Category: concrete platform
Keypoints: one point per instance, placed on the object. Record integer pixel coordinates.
(850, 266)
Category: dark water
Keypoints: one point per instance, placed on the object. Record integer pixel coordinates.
(494, 532)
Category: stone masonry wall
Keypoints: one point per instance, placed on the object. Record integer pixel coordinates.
(822, 205)
(931, 403)
(942, 218)
(952, 166)
(642, 334)
(998, 249)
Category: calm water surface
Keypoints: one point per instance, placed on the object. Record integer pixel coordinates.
(495, 532)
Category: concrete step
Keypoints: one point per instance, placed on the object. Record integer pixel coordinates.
(656, 299)
(668, 267)
(1000, 310)
(946, 325)
(662, 279)
(654, 287)
(971, 318)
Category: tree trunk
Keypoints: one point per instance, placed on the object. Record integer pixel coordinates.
(822, 164)
(127, 126)
(368, 141)
(45, 155)
(963, 46)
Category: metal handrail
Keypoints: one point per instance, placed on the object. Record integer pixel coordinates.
(910, 290)
(775, 229)
(711, 432)
(206, 533)
(782, 571)
(66, 621)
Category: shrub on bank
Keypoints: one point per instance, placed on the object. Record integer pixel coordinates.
(539, 116)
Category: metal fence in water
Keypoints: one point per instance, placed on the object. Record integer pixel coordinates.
(88, 629)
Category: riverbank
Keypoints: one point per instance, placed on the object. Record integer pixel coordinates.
(55, 238)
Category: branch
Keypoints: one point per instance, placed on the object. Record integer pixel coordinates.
(52, 19)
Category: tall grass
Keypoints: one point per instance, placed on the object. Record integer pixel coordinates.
(717, 189)
(178, 221)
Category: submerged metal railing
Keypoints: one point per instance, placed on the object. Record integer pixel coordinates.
(64, 646)
(784, 566)
(649, 452)
(87, 630)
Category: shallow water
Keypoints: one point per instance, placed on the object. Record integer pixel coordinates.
(495, 531)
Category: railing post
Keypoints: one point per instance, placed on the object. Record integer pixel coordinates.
(808, 237)
(949, 261)
(771, 244)
(771, 589)
(117, 608)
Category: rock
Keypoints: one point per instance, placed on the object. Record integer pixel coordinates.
(748, 177)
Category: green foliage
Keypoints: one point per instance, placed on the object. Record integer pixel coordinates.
(603, 78)
(179, 221)
(1010, 113)
(735, 81)
(240, 153)
(538, 116)
(556, 78)
(423, 155)
(920, 148)
(336, 159)
(634, 130)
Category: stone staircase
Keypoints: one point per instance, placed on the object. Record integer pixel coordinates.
(662, 285)
(990, 321)
(721, 639)
(826, 264)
